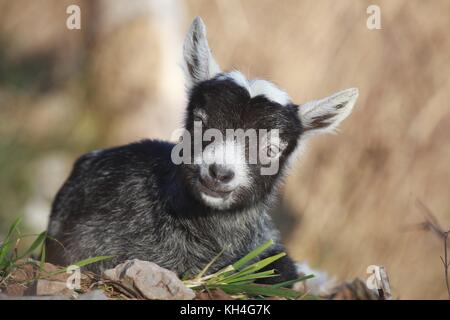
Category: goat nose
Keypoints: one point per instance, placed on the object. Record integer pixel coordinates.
(220, 173)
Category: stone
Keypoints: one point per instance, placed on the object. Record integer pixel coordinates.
(24, 272)
(93, 295)
(152, 281)
(15, 290)
(50, 272)
(52, 288)
(6, 297)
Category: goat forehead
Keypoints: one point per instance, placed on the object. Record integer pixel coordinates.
(258, 87)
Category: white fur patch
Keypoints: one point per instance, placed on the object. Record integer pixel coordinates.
(229, 154)
(218, 203)
(320, 285)
(269, 90)
(237, 77)
(258, 87)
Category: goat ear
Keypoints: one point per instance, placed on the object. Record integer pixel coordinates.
(199, 64)
(323, 116)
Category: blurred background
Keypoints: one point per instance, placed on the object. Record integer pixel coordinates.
(350, 201)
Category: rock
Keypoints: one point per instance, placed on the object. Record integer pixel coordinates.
(152, 281)
(6, 297)
(49, 272)
(52, 288)
(20, 279)
(93, 295)
(15, 290)
(24, 272)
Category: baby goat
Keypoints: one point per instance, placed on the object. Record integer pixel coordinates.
(141, 201)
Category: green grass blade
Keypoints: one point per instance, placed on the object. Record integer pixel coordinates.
(4, 252)
(206, 268)
(260, 290)
(244, 273)
(12, 228)
(92, 260)
(290, 282)
(238, 283)
(257, 265)
(252, 255)
(43, 254)
(238, 277)
(253, 277)
(269, 260)
(6, 246)
(250, 269)
(36, 244)
(82, 263)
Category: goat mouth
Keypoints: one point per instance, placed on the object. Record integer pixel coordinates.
(203, 188)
